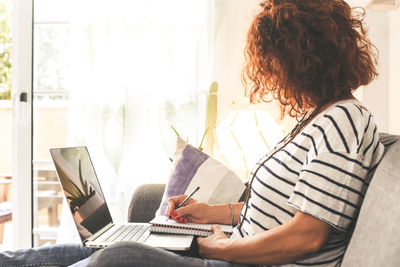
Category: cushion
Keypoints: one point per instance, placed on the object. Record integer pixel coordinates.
(145, 202)
(192, 168)
(375, 241)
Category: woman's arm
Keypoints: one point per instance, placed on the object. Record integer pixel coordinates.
(222, 214)
(289, 242)
(200, 212)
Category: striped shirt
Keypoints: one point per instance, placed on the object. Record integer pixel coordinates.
(324, 171)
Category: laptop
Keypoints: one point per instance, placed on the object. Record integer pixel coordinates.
(89, 208)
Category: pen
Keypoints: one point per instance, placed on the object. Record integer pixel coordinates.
(184, 201)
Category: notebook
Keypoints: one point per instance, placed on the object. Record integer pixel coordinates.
(161, 224)
(90, 211)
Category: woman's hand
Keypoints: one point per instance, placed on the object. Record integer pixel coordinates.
(193, 211)
(213, 247)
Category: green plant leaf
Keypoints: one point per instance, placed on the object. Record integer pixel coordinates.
(79, 194)
(176, 132)
(202, 139)
(83, 183)
(69, 192)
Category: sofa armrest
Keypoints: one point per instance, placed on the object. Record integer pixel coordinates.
(145, 201)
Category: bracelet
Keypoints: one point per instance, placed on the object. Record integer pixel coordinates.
(230, 206)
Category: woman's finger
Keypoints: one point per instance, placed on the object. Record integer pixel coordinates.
(173, 202)
(186, 210)
(216, 229)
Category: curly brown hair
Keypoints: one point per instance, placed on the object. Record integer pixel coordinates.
(307, 53)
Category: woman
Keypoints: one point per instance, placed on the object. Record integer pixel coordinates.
(304, 196)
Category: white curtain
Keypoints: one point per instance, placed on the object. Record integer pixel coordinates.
(138, 67)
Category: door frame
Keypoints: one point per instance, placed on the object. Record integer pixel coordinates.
(22, 26)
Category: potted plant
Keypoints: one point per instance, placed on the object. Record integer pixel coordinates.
(79, 196)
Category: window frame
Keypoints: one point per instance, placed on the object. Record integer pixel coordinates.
(22, 122)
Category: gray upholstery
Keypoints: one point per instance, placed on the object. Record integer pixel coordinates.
(376, 238)
(145, 202)
(375, 241)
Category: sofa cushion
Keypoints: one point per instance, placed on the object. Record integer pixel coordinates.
(375, 241)
(192, 168)
(144, 203)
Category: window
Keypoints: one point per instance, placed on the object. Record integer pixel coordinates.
(115, 79)
(5, 125)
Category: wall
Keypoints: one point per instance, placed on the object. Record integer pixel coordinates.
(394, 71)
(229, 60)
(375, 96)
(382, 96)
(228, 54)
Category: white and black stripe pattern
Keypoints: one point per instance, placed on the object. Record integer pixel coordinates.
(324, 171)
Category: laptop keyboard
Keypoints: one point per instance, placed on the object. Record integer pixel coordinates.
(126, 233)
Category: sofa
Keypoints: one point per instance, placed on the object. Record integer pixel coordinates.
(376, 238)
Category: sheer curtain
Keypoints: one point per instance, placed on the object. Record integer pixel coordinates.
(139, 67)
(136, 69)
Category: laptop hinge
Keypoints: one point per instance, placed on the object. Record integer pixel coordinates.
(99, 233)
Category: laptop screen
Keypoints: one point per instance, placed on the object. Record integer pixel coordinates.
(82, 189)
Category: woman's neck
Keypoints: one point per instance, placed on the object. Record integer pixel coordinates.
(330, 103)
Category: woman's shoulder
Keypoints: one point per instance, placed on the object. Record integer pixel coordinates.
(349, 108)
(347, 114)
(347, 123)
